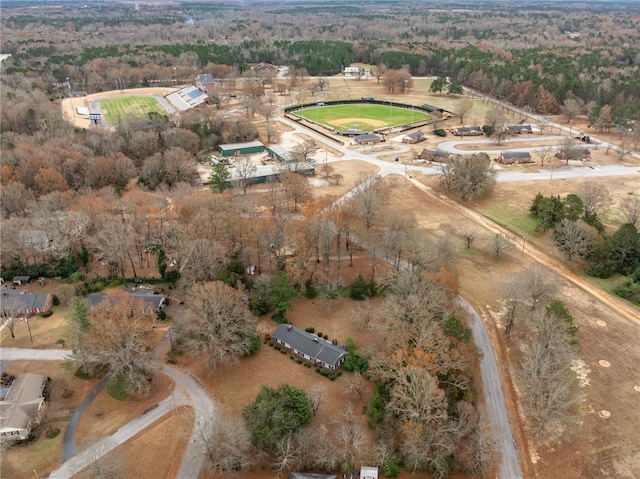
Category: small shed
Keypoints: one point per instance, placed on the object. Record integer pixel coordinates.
(367, 472)
(415, 137)
(519, 129)
(237, 149)
(21, 280)
(367, 139)
(307, 475)
(511, 157)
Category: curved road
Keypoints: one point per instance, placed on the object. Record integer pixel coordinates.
(187, 391)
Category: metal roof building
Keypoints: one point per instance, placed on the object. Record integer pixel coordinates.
(314, 349)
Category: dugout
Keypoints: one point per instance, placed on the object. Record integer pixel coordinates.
(237, 149)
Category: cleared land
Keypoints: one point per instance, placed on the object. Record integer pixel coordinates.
(361, 117)
(136, 106)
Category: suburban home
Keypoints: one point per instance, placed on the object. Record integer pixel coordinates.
(314, 349)
(575, 153)
(21, 280)
(467, 131)
(17, 302)
(352, 72)
(153, 302)
(367, 139)
(205, 83)
(20, 409)
(368, 472)
(511, 157)
(435, 156)
(415, 137)
(519, 129)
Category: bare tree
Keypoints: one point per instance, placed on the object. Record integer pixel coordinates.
(544, 154)
(296, 188)
(228, 443)
(570, 109)
(119, 336)
(539, 285)
(350, 440)
(512, 294)
(244, 174)
(471, 176)
(497, 120)
(594, 197)
(304, 150)
(368, 197)
(316, 394)
(497, 243)
(219, 324)
(462, 108)
(469, 235)
(354, 384)
(630, 208)
(546, 381)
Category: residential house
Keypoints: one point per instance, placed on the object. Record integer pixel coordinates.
(18, 302)
(415, 137)
(574, 153)
(435, 156)
(307, 475)
(519, 129)
(205, 83)
(355, 72)
(467, 131)
(20, 409)
(310, 347)
(152, 302)
(367, 139)
(511, 157)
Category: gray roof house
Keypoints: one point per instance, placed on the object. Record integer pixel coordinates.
(435, 155)
(306, 475)
(467, 131)
(18, 301)
(510, 157)
(21, 406)
(367, 138)
(414, 137)
(314, 349)
(153, 302)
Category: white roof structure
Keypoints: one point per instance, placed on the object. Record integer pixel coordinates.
(187, 98)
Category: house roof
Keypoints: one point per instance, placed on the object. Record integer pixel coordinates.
(204, 78)
(22, 279)
(436, 153)
(309, 344)
(16, 299)
(22, 402)
(416, 135)
(240, 146)
(468, 128)
(147, 296)
(366, 136)
(515, 155)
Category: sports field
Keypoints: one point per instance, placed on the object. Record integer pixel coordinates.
(361, 117)
(136, 106)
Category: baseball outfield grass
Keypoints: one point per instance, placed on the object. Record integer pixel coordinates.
(136, 106)
(362, 117)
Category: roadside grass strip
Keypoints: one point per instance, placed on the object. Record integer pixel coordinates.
(136, 106)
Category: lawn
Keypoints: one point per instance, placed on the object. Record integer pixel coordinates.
(362, 117)
(136, 106)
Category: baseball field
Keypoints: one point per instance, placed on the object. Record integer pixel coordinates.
(361, 117)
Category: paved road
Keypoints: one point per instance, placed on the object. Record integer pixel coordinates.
(17, 354)
(494, 398)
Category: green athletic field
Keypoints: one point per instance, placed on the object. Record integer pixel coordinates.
(358, 114)
(136, 106)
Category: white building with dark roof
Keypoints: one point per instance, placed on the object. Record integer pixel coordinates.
(20, 409)
(310, 347)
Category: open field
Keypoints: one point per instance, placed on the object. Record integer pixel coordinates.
(361, 117)
(136, 106)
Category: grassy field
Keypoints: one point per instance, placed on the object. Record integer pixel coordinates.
(345, 117)
(136, 106)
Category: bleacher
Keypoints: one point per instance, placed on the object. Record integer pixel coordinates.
(187, 98)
